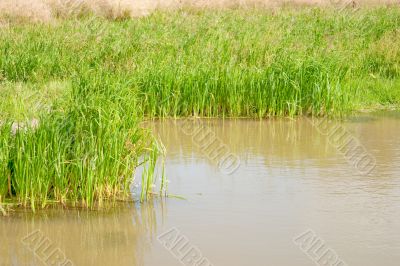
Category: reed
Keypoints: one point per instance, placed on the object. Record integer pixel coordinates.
(252, 63)
(83, 152)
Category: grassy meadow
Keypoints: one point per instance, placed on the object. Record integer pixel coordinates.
(90, 80)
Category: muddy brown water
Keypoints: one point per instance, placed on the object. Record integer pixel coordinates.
(292, 183)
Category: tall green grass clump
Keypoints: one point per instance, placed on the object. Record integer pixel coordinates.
(83, 152)
(6, 143)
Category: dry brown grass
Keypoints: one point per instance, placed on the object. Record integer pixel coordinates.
(22, 10)
(46, 10)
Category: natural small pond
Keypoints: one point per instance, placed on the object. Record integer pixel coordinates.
(289, 180)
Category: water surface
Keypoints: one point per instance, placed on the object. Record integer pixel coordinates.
(290, 179)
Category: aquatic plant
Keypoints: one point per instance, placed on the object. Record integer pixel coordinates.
(82, 152)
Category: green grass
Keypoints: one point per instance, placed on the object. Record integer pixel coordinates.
(84, 151)
(251, 63)
(21, 101)
(98, 78)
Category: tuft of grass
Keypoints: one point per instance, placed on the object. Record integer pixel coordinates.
(24, 101)
(82, 153)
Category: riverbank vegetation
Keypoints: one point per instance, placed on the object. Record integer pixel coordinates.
(90, 80)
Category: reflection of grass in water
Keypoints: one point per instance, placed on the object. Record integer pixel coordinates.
(291, 140)
(119, 232)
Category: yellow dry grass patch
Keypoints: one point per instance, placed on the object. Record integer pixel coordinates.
(388, 46)
(25, 10)
(46, 10)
